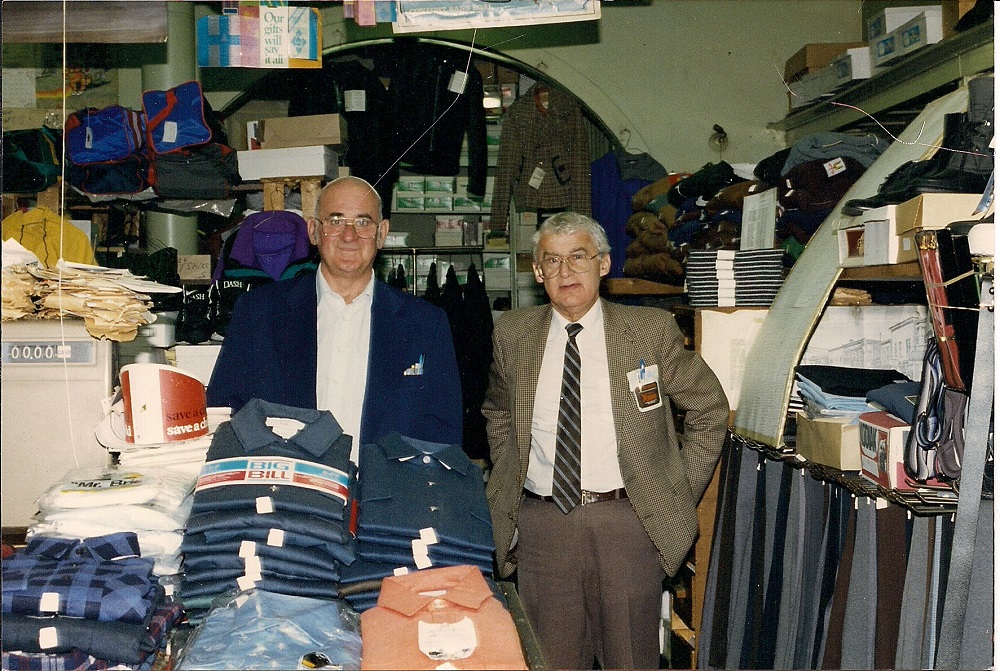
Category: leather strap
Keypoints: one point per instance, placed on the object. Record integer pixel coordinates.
(585, 496)
(937, 301)
(969, 497)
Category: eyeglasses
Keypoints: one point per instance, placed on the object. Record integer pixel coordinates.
(577, 263)
(363, 226)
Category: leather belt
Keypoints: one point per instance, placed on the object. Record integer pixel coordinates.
(585, 496)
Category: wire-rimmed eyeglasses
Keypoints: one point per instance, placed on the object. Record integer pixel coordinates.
(363, 226)
(577, 263)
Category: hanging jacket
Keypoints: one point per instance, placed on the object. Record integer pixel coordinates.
(553, 140)
(370, 152)
(432, 119)
(46, 235)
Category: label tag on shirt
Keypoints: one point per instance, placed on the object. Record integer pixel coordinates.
(428, 536)
(245, 582)
(537, 175)
(354, 100)
(421, 558)
(49, 602)
(644, 382)
(265, 505)
(285, 427)
(276, 538)
(457, 82)
(834, 166)
(274, 471)
(447, 641)
(247, 549)
(48, 637)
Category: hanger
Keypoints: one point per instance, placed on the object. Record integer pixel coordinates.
(627, 149)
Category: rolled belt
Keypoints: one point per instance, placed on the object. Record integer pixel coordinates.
(585, 496)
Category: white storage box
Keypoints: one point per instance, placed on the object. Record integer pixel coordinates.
(920, 31)
(315, 161)
(855, 64)
(891, 18)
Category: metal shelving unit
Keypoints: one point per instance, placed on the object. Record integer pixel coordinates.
(898, 93)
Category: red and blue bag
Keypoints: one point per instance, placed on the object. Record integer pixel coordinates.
(126, 177)
(175, 118)
(104, 135)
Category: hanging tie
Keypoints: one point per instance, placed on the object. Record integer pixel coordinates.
(566, 474)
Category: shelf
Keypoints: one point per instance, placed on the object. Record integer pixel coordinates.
(919, 502)
(923, 71)
(896, 271)
(477, 249)
(632, 286)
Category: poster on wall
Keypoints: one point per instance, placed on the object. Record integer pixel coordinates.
(261, 34)
(424, 15)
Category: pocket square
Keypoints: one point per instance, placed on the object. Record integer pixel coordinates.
(417, 368)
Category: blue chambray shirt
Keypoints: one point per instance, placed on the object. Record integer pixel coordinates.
(406, 485)
(309, 473)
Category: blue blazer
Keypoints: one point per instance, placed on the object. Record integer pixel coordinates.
(270, 353)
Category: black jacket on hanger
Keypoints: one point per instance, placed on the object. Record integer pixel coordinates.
(370, 132)
(430, 118)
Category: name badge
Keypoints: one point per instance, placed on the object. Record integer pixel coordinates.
(644, 382)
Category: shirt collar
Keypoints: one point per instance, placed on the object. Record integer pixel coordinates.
(591, 320)
(460, 585)
(321, 429)
(109, 547)
(323, 289)
(402, 448)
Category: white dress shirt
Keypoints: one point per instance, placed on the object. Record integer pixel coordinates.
(343, 339)
(599, 469)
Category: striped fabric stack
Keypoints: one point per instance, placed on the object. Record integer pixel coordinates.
(727, 278)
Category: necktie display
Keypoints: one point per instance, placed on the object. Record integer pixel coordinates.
(566, 474)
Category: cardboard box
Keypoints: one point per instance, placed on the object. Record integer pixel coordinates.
(852, 246)
(318, 161)
(303, 131)
(853, 65)
(723, 337)
(891, 18)
(814, 56)
(830, 441)
(882, 439)
(442, 185)
(951, 12)
(448, 238)
(812, 86)
(889, 230)
(920, 31)
(884, 49)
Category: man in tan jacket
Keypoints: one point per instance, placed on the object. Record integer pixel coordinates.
(592, 498)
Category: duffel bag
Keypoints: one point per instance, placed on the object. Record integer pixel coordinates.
(175, 118)
(104, 135)
(126, 177)
(208, 172)
(30, 160)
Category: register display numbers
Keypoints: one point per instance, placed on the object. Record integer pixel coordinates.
(49, 352)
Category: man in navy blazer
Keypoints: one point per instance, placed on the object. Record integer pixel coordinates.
(281, 334)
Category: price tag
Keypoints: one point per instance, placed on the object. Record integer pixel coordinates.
(49, 352)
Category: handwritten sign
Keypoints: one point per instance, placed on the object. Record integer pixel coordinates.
(194, 267)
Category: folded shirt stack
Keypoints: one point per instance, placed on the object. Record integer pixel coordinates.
(151, 503)
(66, 600)
(271, 506)
(420, 505)
(266, 630)
(840, 391)
(726, 278)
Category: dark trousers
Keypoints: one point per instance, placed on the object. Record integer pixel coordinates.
(591, 585)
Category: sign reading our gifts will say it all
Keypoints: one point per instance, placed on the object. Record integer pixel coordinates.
(261, 34)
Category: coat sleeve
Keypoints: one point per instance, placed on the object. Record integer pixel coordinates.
(443, 399)
(229, 386)
(694, 388)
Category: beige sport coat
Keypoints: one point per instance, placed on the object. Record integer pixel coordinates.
(664, 482)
